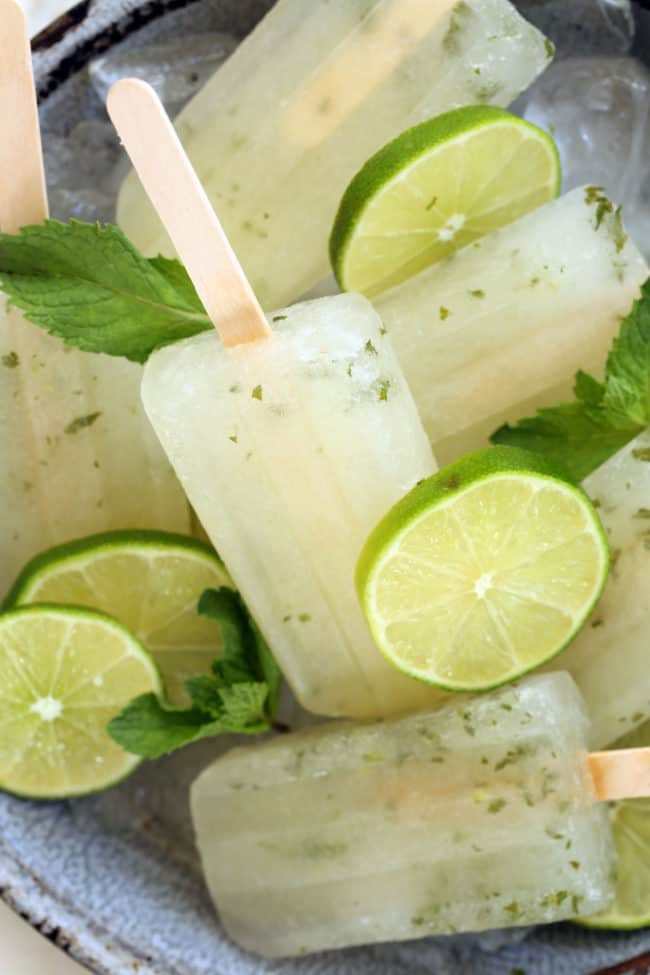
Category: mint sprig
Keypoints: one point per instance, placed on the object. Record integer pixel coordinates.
(91, 287)
(580, 436)
(239, 695)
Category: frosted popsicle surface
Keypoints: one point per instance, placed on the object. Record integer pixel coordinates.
(83, 457)
(513, 315)
(609, 658)
(471, 817)
(314, 91)
(291, 450)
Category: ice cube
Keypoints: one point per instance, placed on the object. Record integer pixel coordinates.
(598, 112)
(96, 149)
(85, 204)
(583, 26)
(176, 69)
(83, 171)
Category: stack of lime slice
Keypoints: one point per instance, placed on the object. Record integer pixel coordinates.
(65, 672)
(150, 581)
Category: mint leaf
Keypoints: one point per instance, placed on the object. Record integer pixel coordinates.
(239, 696)
(588, 390)
(150, 727)
(627, 395)
(578, 437)
(568, 436)
(204, 694)
(244, 707)
(270, 673)
(92, 288)
(246, 657)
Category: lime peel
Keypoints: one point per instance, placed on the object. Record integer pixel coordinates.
(150, 581)
(64, 673)
(437, 187)
(483, 572)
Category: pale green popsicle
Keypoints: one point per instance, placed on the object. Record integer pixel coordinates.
(478, 815)
(513, 316)
(81, 455)
(609, 659)
(316, 89)
(291, 449)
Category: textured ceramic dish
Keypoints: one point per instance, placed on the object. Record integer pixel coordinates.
(114, 879)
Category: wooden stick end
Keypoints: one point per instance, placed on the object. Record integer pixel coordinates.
(623, 774)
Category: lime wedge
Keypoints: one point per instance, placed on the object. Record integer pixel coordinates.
(64, 674)
(150, 581)
(483, 572)
(436, 188)
(631, 824)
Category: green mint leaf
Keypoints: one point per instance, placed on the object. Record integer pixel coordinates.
(588, 390)
(225, 607)
(245, 707)
(239, 696)
(568, 436)
(627, 395)
(269, 672)
(89, 286)
(580, 436)
(246, 657)
(204, 694)
(150, 727)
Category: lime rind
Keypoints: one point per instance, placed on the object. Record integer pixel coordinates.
(150, 581)
(152, 683)
(393, 164)
(37, 567)
(631, 826)
(443, 489)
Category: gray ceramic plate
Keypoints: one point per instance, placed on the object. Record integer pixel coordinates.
(114, 879)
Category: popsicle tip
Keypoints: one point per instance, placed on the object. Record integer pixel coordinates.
(12, 15)
(129, 87)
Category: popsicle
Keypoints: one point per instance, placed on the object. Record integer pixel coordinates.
(474, 816)
(316, 89)
(609, 658)
(292, 438)
(79, 453)
(513, 316)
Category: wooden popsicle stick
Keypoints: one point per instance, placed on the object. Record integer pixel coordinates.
(23, 197)
(623, 774)
(185, 211)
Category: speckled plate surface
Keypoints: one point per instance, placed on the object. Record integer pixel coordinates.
(114, 879)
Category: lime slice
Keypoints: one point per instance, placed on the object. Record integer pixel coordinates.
(150, 581)
(483, 572)
(631, 824)
(436, 188)
(64, 674)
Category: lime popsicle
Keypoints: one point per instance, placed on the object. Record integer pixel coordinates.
(291, 436)
(80, 454)
(609, 659)
(513, 316)
(475, 816)
(282, 127)
(291, 450)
